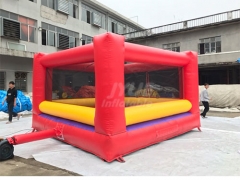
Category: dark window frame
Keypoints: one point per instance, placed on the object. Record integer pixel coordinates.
(176, 47)
(210, 45)
(86, 39)
(2, 80)
(88, 17)
(113, 27)
(21, 81)
(44, 34)
(47, 28)
(74, 10)
(28, 23)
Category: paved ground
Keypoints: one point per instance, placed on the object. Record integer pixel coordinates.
(29, 167)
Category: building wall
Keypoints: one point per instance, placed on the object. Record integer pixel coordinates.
(12, 61)
(189, 40)
(42, 13)
(16, 63)
(12, 64)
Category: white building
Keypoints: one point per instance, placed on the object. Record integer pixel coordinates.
(30, 26)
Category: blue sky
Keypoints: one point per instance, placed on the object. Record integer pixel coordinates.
(151, 13)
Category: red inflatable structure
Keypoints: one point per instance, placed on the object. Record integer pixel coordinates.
(111, 134)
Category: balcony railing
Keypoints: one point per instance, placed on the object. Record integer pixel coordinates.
(184, 25)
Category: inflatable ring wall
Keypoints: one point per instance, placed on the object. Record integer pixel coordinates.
(112, 131)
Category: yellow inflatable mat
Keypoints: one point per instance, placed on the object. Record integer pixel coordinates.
(139, 110)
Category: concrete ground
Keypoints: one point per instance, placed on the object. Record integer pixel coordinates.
(30, 167)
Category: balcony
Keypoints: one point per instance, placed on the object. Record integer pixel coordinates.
(215, 19)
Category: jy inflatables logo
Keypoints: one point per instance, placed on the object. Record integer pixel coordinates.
(114, 99)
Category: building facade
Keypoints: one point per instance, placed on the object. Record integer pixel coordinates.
(30, 26)
(216, 38)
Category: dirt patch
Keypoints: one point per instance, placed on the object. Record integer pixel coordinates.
(223, 114)
(29, 167)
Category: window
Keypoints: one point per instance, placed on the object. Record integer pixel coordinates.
(129, 30)
(172, 47)
(50, 36)
(68, 6)
(121, 29)
(88, 17)
(86, 39)
(27, 25)
(44, 2)
(10, 29)
(72, 42)
(44, 37)
(92, 16)
(49, 3)
(73, 8)
(16, 46)
(31, 0)
(21, 81)
(116, 26)
(2, 80)
(209, 45)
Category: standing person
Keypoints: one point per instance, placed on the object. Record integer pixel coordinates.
(11, 99)
(205, 100)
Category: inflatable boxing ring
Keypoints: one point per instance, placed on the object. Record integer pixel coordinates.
(81, 97)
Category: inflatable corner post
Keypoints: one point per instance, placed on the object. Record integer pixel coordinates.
(79, 96)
